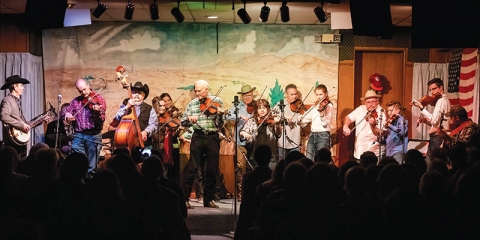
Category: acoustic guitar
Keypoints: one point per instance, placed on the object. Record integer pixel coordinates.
(20, 137)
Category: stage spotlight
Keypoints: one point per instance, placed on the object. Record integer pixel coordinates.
(284, 12)
(322, 17)
(129, 10)
(177, 14)
(99, 10)
(154, 10)
(264, 12)
(243, 15)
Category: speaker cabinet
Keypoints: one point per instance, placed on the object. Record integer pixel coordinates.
(45, 14)
(371, 18)
(445, 24)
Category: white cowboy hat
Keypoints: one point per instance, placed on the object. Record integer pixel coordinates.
(246, 89)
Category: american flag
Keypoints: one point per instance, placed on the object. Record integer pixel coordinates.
(461, 77)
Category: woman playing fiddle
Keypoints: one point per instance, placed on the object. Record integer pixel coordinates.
(320, 116)
(171, 129)
(263, 128)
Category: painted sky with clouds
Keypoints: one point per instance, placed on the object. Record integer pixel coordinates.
(171, 45)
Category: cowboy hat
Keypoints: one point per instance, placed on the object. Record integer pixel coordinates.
(370, 94)
(12, 80)
(246, 89)
(142, 87)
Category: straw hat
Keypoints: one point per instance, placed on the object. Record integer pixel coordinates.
(370, 94)
(246, 89)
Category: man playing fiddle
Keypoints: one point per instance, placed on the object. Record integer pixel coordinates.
(464, 130)
(290, 138)
(436, 119)
(245, 111)
(146, 115)
(367, 125)
(87, 113)
(320, 116)
(201, 113)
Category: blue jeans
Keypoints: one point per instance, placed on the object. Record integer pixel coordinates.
(90, 145)
(316, 141)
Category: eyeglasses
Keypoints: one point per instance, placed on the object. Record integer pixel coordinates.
(371, 101)
(248, 95)
(432, 89)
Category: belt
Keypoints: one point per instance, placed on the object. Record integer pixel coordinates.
(204, 133)
(90, 132)
(314, 133)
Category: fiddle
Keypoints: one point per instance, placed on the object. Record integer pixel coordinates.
(266, 120)
(323, 104)
(392, 118)
(372, 114)
(427, 100)
(297, 106)
(250, 107)
(91, 100)
(167, 118)
(209, 107)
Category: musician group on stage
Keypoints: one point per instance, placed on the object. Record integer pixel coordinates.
(139, 125)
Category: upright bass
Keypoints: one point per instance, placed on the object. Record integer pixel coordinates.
(128, 133)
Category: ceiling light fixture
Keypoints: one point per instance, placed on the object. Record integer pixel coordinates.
(154, 10)
(321, 15)
(284, 12)
(264, 12)
(129, 10)
(99, 10)
(177, 14)
(242, 13)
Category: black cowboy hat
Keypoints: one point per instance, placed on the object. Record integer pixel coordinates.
(142, 87)
(12, 80)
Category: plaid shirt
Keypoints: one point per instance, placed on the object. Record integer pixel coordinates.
(204, 123)
(87, 119)
(470, 135)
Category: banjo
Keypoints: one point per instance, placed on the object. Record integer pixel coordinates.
(20, 137)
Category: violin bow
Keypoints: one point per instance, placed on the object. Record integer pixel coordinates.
(173, 104)
(94, 95)
(263, 92)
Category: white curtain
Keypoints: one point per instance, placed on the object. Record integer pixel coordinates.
(422, 73)
(29, 67)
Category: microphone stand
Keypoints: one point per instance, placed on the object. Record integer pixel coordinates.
(235, 165)
(281, 105)
(58, 124)
(380, 137)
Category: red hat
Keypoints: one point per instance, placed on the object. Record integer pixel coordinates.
(376, 81)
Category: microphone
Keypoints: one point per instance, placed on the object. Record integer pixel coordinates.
(52, 108)
(59, 98)
(235, 99)
(281, 102)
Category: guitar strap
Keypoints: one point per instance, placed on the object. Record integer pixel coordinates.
(459, 128)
